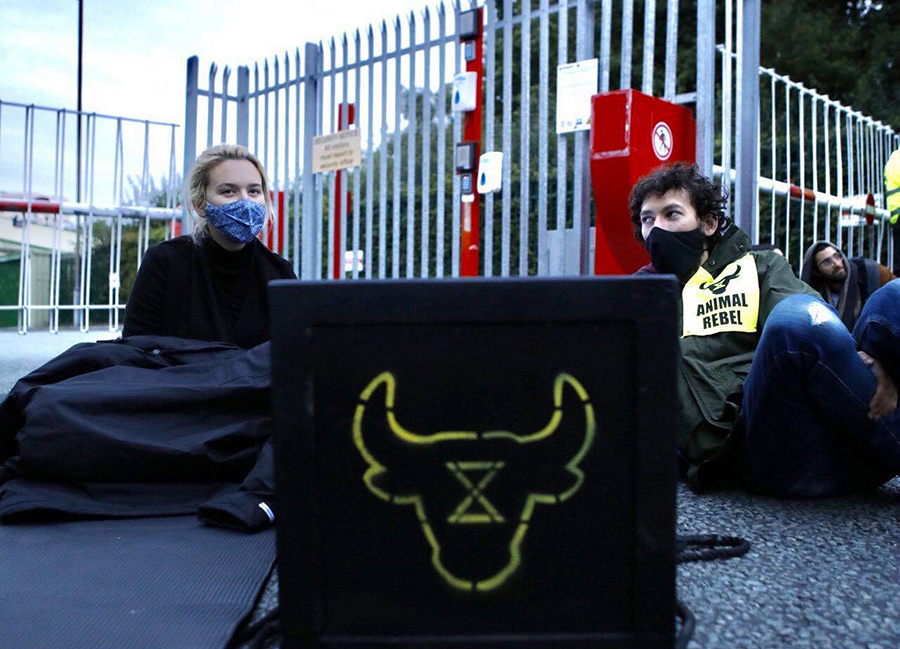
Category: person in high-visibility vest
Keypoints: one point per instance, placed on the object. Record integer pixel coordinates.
(892, 185)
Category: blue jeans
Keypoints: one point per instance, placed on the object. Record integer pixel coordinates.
(805, 426)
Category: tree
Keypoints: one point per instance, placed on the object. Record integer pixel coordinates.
(847, 50)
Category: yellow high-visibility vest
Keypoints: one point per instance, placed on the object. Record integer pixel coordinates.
(892, 185)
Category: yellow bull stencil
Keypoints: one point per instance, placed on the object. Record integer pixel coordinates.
(459, 468)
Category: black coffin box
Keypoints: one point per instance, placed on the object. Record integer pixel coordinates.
(476, 462)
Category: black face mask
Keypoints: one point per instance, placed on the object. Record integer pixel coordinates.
(675, 252)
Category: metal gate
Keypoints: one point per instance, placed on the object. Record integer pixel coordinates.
(816, 162)
(404, 218)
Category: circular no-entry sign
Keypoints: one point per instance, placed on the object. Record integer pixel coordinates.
(662, 140)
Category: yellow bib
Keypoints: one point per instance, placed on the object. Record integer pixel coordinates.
(729, 303)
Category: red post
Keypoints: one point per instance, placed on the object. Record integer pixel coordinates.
(276, 244)
(471, 210)
(342, 201)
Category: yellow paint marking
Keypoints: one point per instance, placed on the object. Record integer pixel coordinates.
(391, 386)
(375, 469)
(475, 492)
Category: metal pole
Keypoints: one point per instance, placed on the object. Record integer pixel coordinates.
(706, 85)
(411, 130)
(584, 47)
(308, 261)
(298, 72)
(243, 106)
(506, 193)
(425, 251)
(748, 121)
(190, 135)
(562, 154)
(669, 88)
(76, 297)
(524, 135)
(78, 101)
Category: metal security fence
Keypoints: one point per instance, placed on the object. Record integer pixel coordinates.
(76, 219)
(819, 163)
(403, 217)
(95, 191)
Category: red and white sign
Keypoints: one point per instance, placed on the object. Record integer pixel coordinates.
(870, 209)
(662, 140)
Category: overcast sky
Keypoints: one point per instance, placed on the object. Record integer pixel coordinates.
(135, 53)
(135, 50)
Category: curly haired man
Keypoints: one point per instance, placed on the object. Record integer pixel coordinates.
(774, 389)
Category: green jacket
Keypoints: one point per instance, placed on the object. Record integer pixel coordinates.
(714, 367)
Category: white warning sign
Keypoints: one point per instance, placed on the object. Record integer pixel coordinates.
(337, 151)
(576, 83)
(662, 140)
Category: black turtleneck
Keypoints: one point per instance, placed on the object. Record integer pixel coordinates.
(231, 278)
(204, 292)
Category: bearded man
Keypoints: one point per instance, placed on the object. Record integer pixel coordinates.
(844, 283)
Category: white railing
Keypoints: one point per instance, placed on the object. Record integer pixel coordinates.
(819, 163)
(73, 205)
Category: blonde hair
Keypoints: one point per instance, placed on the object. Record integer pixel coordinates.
(199, 179)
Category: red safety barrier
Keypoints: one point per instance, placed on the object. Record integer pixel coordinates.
(801, 193)
(631, 134)
(21, 205)
(870, 209)
(40, 206)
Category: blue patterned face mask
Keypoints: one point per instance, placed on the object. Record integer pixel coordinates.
(238, 221)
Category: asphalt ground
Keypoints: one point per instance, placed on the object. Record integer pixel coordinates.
(20, 354)
(819, 574)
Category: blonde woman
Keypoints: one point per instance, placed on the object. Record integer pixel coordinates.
(211, 284)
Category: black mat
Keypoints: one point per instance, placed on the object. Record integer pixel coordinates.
(136, 583)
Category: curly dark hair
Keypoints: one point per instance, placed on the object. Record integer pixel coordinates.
(707, 198)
